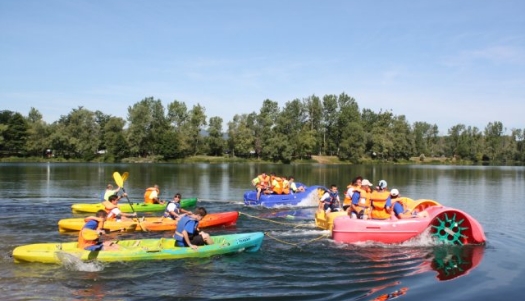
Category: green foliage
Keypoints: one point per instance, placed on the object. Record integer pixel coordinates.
(331, 126)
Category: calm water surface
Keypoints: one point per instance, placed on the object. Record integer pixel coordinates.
(297, 261)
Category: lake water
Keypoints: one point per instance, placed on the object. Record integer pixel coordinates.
(296, 262)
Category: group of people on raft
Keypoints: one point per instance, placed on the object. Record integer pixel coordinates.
(187, 232)
(363, 201)
(272, 184)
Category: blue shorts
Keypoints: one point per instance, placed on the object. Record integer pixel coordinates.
(97, 247)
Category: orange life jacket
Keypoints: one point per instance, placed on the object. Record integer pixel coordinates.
(147, 194)
(378, 200)
(277, 185)
(262, 182)
(108, 206)
(348, 199)
(83, 241)
(364, 202)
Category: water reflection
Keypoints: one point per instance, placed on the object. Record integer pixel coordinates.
(386, 264)
(451, 262)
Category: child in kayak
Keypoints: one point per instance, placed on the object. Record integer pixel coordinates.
(89, 235)
(188, 234)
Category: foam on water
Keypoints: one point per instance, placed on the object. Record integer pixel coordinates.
(73, 263)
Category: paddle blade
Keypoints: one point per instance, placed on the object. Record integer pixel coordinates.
(118, 179)
(125, 176)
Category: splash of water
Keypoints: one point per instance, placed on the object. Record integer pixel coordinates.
(73, 263)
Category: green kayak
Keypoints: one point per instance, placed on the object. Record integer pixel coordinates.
(125, 207)
(140, 249)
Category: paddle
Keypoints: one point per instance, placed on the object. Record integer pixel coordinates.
(130, 228)
(120, 183)
(125, 176)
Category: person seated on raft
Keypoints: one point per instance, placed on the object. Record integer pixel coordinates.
(277, 184)
(188, 233)
(400, 207)
(330, 200)
(114, 213)
(356, 184)
(360, 206)
(262, 184)
(151, 196)
(89, 235)
(293, 186)
(381, 202)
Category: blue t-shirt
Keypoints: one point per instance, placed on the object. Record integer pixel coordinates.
(398, 208)
(91, 224)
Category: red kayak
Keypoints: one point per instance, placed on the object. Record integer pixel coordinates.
(228, 218)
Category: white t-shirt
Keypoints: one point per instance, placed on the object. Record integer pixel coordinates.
(114, 213)
(153, 195)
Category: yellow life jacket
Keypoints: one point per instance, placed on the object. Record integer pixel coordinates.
(286, 186)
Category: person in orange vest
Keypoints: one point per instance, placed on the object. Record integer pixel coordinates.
(360, 206)
(115, 213)
(262, 184)
(381, 202)
(151, 196)
(277, 184)
(89, 235)
(355, 185)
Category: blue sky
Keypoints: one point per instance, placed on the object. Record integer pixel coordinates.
(443, 62)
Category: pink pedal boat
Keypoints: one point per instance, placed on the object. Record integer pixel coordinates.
(448, 225)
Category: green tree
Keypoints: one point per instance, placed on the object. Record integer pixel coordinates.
(147, 124)
(240, 136)
(15, 136)
(38, 134)
(116, 144)
(421, 130)
(215, 138)
(348, 119)
(331, 134)
(82, 133)
(494, 139)
(178, 118)
(314, 109)
(263, 126)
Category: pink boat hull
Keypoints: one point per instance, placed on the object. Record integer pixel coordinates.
(448, 224)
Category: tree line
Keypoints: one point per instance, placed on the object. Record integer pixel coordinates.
(333, 125)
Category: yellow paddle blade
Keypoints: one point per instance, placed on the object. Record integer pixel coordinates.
(125, 176)
(118, 179)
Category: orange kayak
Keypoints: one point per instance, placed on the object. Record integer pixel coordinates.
(228, 218)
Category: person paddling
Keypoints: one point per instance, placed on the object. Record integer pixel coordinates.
(188, 234)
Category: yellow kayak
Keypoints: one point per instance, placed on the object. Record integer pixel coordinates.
(141, 249)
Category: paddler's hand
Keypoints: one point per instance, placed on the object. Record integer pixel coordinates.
(194, 247)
